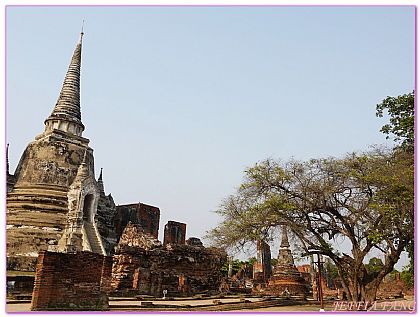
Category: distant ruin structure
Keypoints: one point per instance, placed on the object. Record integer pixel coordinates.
(262, 266)
(175, 233)
(286, 279)
(10, 178)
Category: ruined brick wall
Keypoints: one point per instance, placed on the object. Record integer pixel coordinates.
(182, 270)
(143, 266)
(175, 233)
(306, 272)
(145, 215)
(77, 281)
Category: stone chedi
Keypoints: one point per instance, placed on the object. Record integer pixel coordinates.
(53, 198)
(286, 279)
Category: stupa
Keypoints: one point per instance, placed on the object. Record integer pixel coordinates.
(286, 279)
(54, 201)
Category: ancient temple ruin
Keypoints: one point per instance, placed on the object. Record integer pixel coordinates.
(142, 265)
(286, 279)
(146, 216)
(262, 266)
(58, 212)
(54, 201)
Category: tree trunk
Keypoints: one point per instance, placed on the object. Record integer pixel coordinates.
(370, 293)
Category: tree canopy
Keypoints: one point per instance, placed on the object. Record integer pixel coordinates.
(366, 199)
(401, 122)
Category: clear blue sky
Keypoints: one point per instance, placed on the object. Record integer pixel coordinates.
(178, 101)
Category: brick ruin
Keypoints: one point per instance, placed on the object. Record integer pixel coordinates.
(142, 265)
(174, 233)
(65, 281)
(262, 266)
(145, 215)
(105, 218)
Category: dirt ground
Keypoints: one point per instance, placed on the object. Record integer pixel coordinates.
(391, 305)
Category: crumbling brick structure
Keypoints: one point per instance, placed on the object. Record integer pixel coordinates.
(174, 233)
(65, 281)
(143, 266)
(141, 214)
(262, 267)
(193, 241)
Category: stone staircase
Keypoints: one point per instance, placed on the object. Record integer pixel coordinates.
(93, 238)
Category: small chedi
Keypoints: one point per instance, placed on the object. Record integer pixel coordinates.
(286, 280)
(142, 265)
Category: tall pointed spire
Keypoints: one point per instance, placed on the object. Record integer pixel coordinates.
(284, 239)
(7, 159)
(101, 184)
(66, 114)
(285, 257)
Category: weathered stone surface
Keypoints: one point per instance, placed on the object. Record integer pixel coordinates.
(66, 115)
(105, 218)
(174, 233)
(134, 238)
(142, 214)
(146, 267)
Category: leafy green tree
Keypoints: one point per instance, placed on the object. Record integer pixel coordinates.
(375, 265)
(330, 269)
(407, 275)
(252, 260)
(401, 123)
(365, 198)
(236, 266)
